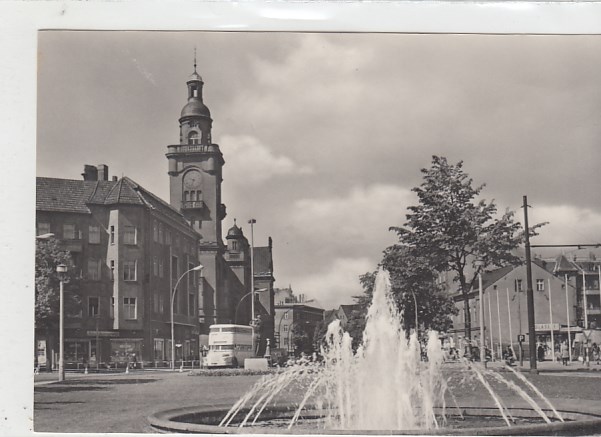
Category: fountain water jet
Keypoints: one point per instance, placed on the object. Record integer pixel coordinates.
(383, 386)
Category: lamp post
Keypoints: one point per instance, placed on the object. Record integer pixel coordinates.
(61, 269)
(252, 221)
(479, 264)
(193, 269)
(258, 290)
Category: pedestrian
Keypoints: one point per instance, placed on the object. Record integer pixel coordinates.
(541, 352)
(565, 353)
(596, 353)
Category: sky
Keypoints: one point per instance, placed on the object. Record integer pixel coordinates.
(324, 134)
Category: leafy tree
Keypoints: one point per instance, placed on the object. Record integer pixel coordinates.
(449, 229)
(302, 341)
(48, 256)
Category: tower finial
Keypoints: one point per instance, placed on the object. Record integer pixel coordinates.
(194, 59)
(234, 222)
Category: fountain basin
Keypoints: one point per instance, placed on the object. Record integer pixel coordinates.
(205, 421)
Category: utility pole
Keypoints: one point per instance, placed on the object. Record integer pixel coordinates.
(529, 293)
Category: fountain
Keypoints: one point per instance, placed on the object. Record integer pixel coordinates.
(384, 387)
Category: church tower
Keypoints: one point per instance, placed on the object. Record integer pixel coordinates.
(195, 177)
(195, 166)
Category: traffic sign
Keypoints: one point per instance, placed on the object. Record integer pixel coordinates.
(521, 338)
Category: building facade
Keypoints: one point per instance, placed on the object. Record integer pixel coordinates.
(131, 248)
(294, 316)
(563, 306)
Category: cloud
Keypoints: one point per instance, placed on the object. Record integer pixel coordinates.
(567, 225)
(336, 284)
(355, 218)
(250, 161)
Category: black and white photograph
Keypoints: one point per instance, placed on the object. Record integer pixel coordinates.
(315, 232)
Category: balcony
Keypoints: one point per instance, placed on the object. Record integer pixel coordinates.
(193, 148)
(193, 204)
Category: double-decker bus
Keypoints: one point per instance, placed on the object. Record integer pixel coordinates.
(229, 345)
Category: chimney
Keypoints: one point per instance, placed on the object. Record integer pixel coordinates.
(115, 178)
(103, 172)
(90, 173)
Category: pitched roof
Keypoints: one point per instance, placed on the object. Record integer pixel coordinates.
(564, 265)
(348, 309)
(263, 263)
(69, 195)
(489, 278)
(65, 195)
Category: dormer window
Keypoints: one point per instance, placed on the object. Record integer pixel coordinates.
(193, 138)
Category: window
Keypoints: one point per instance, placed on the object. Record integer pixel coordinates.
(540, 285)
(155, 231)
(129, 235)
(161, 269)
(129, 270)
(191, 304)
(161, 304)
(94, 266)
(155, 301)
(161, 233)
(159, 349)
(112, 235)
(193, 136)
(93, 306)
(155, 266)
(518, 285)
(94, 234)
(286, 315)
(285, 328)
(167, 237)
(69, 232)
(129, 308)
(112, 269)
(43, 228)
(234, 245)
(112, 309)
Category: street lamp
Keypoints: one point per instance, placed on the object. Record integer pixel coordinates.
(258, 290)
(193, 269)
(252, 221)
(61, 269)
(479, 263)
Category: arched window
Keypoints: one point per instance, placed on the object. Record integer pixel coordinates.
(193, 137)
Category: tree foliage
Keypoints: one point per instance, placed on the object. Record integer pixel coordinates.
(48, 256)
(452, 231)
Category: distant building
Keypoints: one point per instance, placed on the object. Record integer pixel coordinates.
(559, 303)
(131, 248)
(292, 314)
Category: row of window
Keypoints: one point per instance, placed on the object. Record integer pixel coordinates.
(159, 306)
(71, 232)
(129, 307)
(130, 234)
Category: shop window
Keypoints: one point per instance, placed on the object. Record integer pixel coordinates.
(129, 270)
(159, 349)
(129, 308)
(129, 235)
(93, 306)
(94, 234)
(43, 228)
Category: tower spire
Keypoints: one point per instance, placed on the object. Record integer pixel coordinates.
(194, 59)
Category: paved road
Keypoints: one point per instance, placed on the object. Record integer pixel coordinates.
(121, 402)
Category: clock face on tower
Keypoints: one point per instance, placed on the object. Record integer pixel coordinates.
(192, 180)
